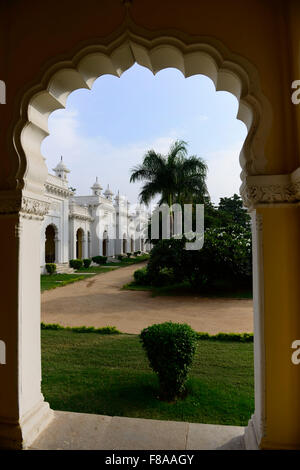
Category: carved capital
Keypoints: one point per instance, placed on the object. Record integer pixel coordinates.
(16, 203)
(34, 207)
(271, 189)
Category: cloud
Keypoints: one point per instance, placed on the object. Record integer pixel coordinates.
(88, 157)
(224, 172)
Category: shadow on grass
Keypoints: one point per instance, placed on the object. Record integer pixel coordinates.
(218, 290)
(139, 399)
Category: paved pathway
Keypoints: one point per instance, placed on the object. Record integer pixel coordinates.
(80, 431)
(99, 301)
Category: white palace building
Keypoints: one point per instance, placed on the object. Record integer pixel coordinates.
(87, 226)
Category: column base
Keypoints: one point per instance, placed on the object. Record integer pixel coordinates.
(250, 436)
(17, 435)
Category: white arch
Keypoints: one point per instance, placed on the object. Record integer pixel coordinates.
(208, 56)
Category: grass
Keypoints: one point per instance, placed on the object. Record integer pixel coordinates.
(132, 260)
(120, 264)
(218, 290)
(58, 280)
(109, 375)
(96, 269)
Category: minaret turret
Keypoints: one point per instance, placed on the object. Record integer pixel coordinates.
(108, 193)
(61, 170)
(96, 188)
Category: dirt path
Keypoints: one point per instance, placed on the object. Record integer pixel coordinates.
(99, 301)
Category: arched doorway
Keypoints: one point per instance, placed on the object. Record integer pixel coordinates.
(105, 244)
(193, 64)
(124, 244)
(50, 254)
(79, 243)
(131, 245)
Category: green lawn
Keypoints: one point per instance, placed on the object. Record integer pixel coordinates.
(57, 280)
(120, 264)
(218, 290)
(132, 260)
(96, 269)
(91, 373)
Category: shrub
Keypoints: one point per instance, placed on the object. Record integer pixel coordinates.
(128, 255)
(87, 263)
(50, 268)
(99, 259)
(120, 257)
(141, 277)
(170, 348)
(76, 263)
(105, 330)
(135, 253)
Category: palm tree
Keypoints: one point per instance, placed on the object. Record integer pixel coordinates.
(176, 177)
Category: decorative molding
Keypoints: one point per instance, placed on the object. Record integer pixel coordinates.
(78, 216)
(14, 204)
(271, 189)
(34, 208)
(58, 191)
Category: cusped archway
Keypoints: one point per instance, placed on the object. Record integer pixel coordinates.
(206, 56)
(228, 72)
(50, 243)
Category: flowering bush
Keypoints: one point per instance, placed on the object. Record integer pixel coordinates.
(226, 254)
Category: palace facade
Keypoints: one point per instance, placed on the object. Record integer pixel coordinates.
(87, 226)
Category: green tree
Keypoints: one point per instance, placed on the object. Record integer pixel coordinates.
(175, 177)
(231, 211)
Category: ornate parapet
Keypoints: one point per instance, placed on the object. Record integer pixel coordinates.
(80, 213)
(271, 189)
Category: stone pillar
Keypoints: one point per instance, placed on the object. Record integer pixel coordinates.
(276, 236)
(23, 412)
(84, 245)
(43, 254)
(58, 257)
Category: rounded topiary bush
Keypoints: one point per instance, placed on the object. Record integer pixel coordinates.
(51, 268)
(87, 263)
(76, 263)
(170, 348)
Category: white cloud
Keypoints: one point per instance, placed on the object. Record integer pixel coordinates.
(224, 172)
(88, 157)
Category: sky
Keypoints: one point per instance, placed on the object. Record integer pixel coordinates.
(106, 131)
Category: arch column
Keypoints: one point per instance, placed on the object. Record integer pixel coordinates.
(43, 248)
(275, 211)
(57, 249)
(23, 412)
(84, 245)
